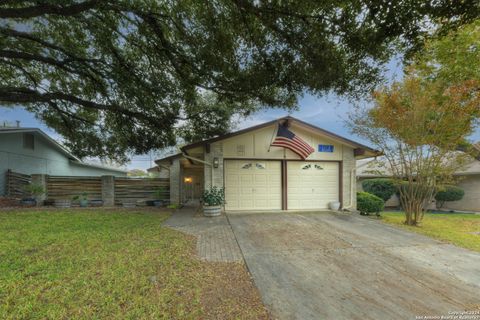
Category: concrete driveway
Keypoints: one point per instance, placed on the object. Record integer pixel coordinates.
(339, 266)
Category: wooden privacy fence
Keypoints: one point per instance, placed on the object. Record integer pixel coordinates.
(66, 187)
(16, 183)
(139, 189)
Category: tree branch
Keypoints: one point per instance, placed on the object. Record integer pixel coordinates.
(43, 9)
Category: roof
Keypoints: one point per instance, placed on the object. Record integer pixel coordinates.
(371, 169)
(287, 118)
(57, 146)
(171, 157)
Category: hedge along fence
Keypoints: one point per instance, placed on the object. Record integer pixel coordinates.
(16, 183)
(140, 189)
(67, 187)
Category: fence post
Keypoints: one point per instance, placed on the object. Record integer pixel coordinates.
(40, 179)
(108, 191)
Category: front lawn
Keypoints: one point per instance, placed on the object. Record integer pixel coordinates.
(460, 229)
(111, 264)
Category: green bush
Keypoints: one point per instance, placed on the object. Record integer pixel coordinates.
(382, 188)
(449, 193)
(369, 203)
(213, 197)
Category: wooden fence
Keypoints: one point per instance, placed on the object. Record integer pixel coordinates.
(139, 189)
(66, 187)
(16, 183)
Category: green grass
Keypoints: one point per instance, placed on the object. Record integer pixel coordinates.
(457, 229)
(101, 264)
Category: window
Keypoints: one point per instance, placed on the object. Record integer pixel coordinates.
(29, 141)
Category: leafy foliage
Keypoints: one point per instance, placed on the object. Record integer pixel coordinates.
(130, 76)
(369, 203)
(449, 193)
(34, 189)
(213, 197)
(382, 188)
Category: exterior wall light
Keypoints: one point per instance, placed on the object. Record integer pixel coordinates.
(187, 180)
(215, 163)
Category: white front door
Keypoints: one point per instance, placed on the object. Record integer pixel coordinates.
(312, 185)
(253, 185)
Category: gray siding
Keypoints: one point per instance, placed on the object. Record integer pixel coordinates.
(44, 159)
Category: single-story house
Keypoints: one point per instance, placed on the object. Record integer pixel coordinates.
(258, 176)
(31, 151)
(468, 179)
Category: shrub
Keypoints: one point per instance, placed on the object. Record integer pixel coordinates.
(449, 193)
(34, 190)
(382, 188)
(369, 203)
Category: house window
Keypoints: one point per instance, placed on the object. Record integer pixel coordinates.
(29, 141)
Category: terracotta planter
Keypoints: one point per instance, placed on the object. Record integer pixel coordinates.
(212, 211)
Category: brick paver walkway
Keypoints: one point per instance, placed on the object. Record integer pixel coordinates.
(215, 239)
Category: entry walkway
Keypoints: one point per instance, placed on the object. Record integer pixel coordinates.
(215, 239)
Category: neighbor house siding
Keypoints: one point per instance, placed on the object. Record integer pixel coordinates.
(43, 159)
(471, 200)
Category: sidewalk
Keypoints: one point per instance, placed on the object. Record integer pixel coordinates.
(215, 239)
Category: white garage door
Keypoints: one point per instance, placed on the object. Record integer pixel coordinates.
(312, 185)
(253, 185)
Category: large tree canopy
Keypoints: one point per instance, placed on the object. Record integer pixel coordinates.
(118, 76)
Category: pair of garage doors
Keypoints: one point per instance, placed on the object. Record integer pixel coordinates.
(259, 185)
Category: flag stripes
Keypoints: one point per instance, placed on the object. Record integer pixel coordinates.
(287, 139)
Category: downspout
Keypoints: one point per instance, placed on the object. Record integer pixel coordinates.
(353, 180)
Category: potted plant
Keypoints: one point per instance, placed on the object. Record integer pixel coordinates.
(160, 196)
(213, 200)
(34, 190)
(84, 200)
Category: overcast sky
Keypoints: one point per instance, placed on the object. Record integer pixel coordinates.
(326, 112)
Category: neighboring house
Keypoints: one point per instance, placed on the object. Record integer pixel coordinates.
(31, 151)
(159, 172)
(468, 179)
(257, 176)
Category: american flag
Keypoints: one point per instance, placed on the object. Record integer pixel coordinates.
(287, 139)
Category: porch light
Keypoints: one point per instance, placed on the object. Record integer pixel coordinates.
(215, 163)
(187, 179)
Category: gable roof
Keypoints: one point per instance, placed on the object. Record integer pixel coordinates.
(57, 146)
(283, 119)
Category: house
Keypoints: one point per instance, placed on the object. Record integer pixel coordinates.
(31, 151)
(468, 179)
(158, 172)
(258, 176)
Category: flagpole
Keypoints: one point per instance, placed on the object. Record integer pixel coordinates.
(273, 137)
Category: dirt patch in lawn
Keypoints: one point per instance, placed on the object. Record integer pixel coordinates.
(229, 293)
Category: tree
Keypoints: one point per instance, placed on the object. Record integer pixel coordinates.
(417, 126)
(117, 76)
(137, 173)
(452, 60)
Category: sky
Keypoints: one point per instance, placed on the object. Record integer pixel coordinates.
(328, 112)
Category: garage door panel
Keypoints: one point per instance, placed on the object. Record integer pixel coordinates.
(253, 185)
(312, 185)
